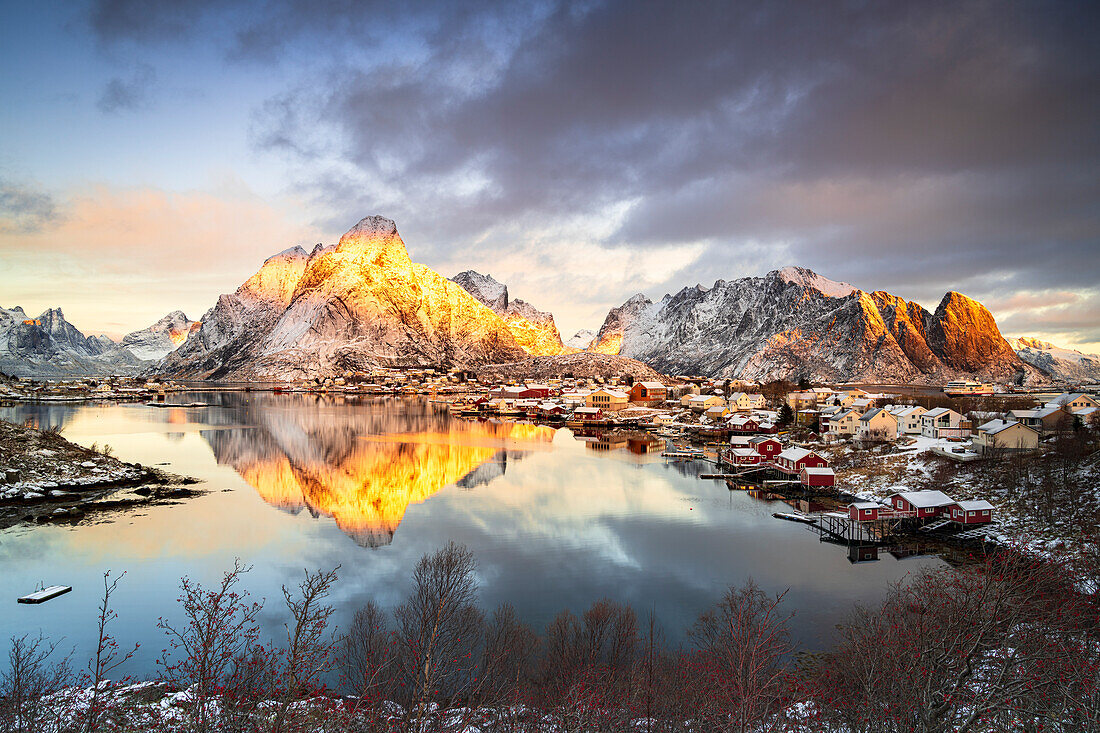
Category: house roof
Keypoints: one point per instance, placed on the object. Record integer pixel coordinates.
(937, 411)
(744, 452)
(973, 505)
(613, 393)
(587, 410)
(795, 454)
(652, 385)
(995, 426)
(866, 505)
(925, 499)
(872, 414)
(761, 439)
(818, 471)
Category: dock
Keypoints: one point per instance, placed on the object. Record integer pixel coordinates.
(41, 596)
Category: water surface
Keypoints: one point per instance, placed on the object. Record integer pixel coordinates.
(556, 520)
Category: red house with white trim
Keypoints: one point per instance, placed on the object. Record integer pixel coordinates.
(864, 511)
(971, 512)
(588, 413)
(767, 447)
(817, 476)
(744, 457)
(922, 504)
(793, 460)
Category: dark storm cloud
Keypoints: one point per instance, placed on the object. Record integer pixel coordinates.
(25, 209)
(127, 94)
(918, 147)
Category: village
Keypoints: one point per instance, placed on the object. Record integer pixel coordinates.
(869, 453)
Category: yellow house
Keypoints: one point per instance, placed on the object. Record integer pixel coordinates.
(608, 400)
(845, 422)
(1005, 435)
(703, 402)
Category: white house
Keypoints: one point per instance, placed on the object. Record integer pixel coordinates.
(943, 422)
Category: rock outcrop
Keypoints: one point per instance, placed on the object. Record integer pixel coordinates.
(534, 330)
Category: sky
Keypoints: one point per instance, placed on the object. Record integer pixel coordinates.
(153, 154)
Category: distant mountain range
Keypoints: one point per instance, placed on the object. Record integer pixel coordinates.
(795, 324)
(50, 346)
(363, 303)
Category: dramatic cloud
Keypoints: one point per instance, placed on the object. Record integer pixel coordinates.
(915, 147)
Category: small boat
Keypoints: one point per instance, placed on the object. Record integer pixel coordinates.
(45, 594)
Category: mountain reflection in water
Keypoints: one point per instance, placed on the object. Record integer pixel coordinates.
(364, 467)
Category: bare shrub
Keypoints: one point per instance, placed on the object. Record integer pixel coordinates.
(214, 646)
(29, 678)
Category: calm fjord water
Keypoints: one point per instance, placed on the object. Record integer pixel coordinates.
(371, 484)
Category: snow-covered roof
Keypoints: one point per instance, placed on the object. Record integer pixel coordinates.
(995, 426)
(587, 410)
(974, 505)
(795, 454)
(613, 393)
(866, 505)
(818, 471)
(937, 411)
(652, 385)
(744, 452)
(926, 499)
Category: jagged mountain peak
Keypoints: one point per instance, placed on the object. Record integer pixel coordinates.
(793, 323)
(807, 278)
(370, 227)
(349, 307)
(297, 251)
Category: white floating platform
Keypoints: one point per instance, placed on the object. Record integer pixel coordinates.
(41, 596)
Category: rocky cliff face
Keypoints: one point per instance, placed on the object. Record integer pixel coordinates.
(609, 339)
(793, 323)
(534, 330)
(346, 307)
(1066, 365)
(44, 346)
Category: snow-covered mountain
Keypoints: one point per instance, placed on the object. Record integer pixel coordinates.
(156, 341)
(46, 346)
(582, 339)
(535, 330)
(1059, 363)
(792, 323)
(50, 346)
(345, 307)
